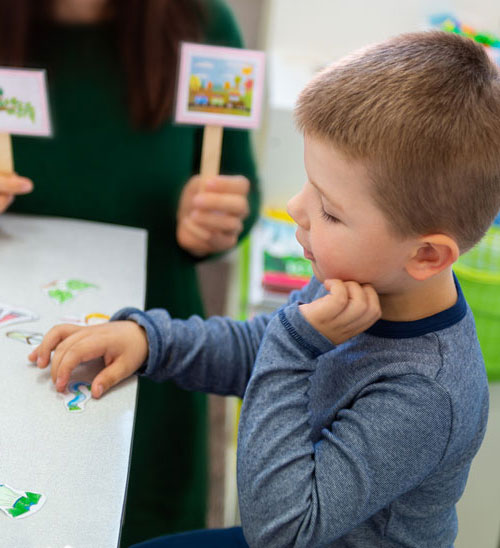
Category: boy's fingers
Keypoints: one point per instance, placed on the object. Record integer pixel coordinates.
(338, 290)
(358, 302)
(373, 302)
(50, 341)
(79, 352)
(366, 312)
(109, 376)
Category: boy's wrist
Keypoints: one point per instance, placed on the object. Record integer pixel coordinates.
(303, 332)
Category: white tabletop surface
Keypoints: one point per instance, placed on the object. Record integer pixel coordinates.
(78, 461)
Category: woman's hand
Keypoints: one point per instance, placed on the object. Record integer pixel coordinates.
(211, 213)
(10, 185)
(347, 310)
(123, 345)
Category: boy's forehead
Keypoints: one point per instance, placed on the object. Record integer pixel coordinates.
(323, 160)
(342, 181)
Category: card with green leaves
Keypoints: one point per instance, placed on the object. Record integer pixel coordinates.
(24, 109)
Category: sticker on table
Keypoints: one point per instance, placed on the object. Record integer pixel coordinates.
(12, 314)
(77, 396)
(27, 337)
(19, 504)
(62, 291)
(23, 102)
(219, 86)
(94, 318)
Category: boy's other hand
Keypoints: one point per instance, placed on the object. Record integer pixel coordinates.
(347, 310)
(123, 345)
(211, 213)
(10, 185)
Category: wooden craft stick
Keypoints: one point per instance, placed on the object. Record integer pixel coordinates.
(6, 160)
(211, 151)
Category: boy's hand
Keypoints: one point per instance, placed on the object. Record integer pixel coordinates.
(10, 185)
(347, 310)
(123, 345)
(211, 212)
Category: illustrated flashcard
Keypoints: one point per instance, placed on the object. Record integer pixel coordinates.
(93, 318)
(27, 337)
(19, 504)
(219, 86)
(76, 396)
(66, 290)
(23, 102)
(12, 314)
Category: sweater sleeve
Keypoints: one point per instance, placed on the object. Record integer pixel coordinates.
(214, 355)
(294, 492)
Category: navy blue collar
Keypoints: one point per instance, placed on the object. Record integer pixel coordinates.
(417, 328)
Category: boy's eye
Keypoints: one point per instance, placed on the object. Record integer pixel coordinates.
(329, 217)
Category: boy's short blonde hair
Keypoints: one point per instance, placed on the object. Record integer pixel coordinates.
(422, 111)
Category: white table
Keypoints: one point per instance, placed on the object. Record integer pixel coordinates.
(78, 461)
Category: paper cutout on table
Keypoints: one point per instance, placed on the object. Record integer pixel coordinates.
(12, 314)
(94, 318)
(27, 337)
(219, 86)
(76, 396)
(19, 504)
(66, 290)
(23, 102)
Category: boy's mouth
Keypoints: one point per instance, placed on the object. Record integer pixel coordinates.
(308, 255)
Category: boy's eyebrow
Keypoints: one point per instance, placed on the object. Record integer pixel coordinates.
(337, 206)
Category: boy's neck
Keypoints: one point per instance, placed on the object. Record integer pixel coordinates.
(421, 300)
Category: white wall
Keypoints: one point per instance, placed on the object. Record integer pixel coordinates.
(301, 36)
(326, 29)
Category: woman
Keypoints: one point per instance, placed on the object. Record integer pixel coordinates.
(117, 157)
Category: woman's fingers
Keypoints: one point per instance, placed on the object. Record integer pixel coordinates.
(5, 201)
(232, 204)
(15, 184)
(213, 220)
(228, 184)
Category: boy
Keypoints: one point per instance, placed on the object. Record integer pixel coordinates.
(354, 432)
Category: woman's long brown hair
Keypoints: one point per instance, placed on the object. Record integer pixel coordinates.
(148, 36)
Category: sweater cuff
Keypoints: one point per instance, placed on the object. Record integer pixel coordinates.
(303, 332)
(155, 347)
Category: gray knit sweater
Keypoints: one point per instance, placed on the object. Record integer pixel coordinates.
(366, 444)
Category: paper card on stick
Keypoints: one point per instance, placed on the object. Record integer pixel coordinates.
(23, 102)
(219, 86)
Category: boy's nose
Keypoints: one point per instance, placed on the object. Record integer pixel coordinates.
(296, 210)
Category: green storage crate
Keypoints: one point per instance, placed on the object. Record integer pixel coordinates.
(478, 271)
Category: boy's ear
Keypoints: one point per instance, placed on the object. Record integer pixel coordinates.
(432, 254)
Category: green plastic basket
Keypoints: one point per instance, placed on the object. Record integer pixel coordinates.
(478, 271)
